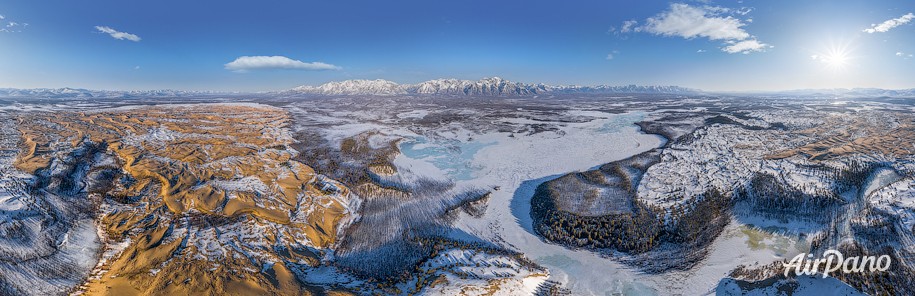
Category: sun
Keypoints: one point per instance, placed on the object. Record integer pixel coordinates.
(835, 58)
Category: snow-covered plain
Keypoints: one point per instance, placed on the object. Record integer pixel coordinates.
(514, 164)
(518, 164)
(46, 244)
(483, 150)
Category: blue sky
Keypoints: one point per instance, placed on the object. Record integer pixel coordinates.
(270, 45)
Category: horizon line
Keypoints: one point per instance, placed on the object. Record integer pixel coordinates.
(719, 91)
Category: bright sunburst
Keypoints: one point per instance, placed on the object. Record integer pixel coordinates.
(835, 58)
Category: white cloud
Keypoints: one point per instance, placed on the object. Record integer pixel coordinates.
(628, 26)
(899, 54)
(690, 22)
(711, 22)
(715, 9)
(11, 26)
(701, 51)
(746, 46)
(118, 35)
(245, 63)
(609, 56)
(889, 24)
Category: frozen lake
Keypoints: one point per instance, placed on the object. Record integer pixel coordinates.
(453, 158)
(517, 165)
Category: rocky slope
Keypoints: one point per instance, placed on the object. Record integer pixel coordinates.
(188, 199)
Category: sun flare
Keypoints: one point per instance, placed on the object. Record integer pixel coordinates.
(835, 58)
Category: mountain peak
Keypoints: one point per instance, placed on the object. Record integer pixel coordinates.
(355, 87)
(488, 86)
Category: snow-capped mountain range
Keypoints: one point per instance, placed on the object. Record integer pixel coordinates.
(493, 86)
(354, 87)
(67, 92)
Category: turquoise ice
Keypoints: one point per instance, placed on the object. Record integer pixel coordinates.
(618, 122)
(452, 157)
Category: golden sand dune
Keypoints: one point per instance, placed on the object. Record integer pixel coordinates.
(207, 195)
(840, 136)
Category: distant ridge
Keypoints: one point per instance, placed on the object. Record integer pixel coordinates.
(76, 93)
(492, 86)
(849, 92)
(354, 87)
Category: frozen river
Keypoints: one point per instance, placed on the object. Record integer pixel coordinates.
(517, 165)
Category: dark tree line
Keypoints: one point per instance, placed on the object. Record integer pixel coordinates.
(770, 196)
(641, 230)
